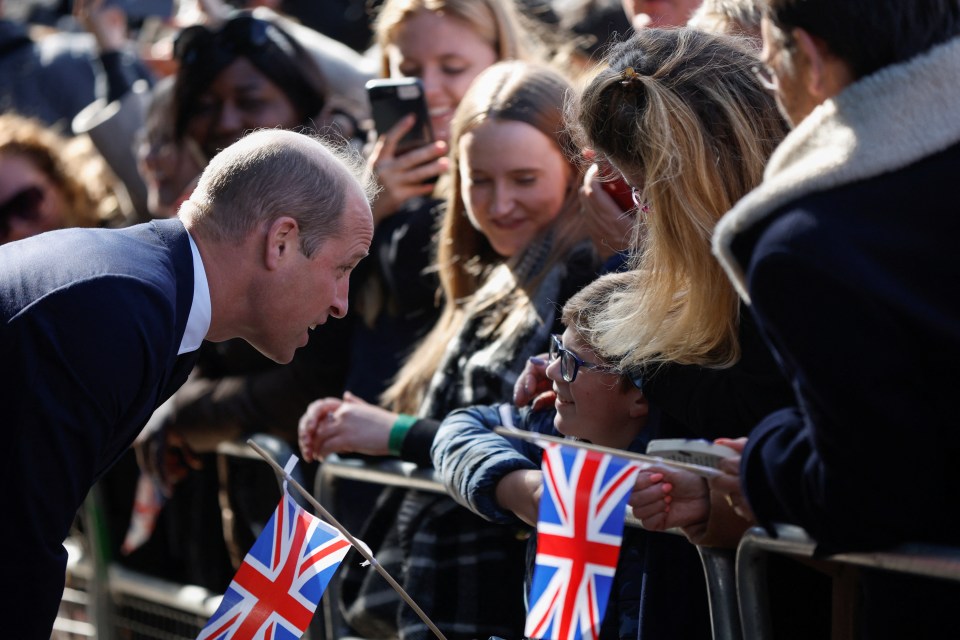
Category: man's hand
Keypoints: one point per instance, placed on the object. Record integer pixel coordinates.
(163, 453)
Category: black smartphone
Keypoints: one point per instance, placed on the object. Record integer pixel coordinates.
(391, 100)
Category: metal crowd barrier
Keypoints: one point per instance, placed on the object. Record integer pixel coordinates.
(756, 545)
(107, 601)
(718, 564)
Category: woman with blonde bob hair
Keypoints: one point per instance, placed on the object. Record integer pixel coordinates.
(681, 114)
(511, 250)
(446, 44)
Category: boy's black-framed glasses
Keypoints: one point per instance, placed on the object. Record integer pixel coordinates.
(570, 363)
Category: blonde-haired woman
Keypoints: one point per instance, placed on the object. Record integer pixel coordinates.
(510, 250)
(682, 116)
(690, 142)
(445, 43)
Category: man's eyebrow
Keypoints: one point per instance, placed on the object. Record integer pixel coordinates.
(358, 256)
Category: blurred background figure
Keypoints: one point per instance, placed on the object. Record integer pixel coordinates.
(592, 25)
(50, 182)
(52, 74)
(169, 167)
(334, 77)
(732, 17)
(246, 74)
(115, 116)
(653, 14)
(346, 21)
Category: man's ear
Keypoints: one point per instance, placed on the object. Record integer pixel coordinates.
(824, 74)
(282, 238)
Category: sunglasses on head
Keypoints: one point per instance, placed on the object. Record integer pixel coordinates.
(239, 35)
(24, 204)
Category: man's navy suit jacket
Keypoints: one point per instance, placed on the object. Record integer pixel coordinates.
(90, 324)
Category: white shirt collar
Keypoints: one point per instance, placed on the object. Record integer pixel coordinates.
(198, 322)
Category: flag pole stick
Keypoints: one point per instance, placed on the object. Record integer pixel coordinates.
(700, 470)
(361, 548)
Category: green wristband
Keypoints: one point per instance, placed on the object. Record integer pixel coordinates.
(398, 432)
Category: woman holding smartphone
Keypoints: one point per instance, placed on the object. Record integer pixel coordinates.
(445, 45)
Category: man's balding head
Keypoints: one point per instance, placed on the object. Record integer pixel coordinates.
(273, 173)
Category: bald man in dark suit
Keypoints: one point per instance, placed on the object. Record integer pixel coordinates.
(99, 327)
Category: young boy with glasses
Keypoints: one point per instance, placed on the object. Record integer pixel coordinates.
(500, 479)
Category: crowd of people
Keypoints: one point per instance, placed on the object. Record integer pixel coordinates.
(712, 219)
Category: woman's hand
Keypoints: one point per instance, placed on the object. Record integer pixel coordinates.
(728, 484)
(609, 226)
(403, 176)
(350, 425)
(665, 498)
(533, 387)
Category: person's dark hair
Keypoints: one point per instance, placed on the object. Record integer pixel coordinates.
(870, 34)
(203, 53)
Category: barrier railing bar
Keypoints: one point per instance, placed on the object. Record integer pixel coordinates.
(718, 564)
(928, 560)
(924, 560)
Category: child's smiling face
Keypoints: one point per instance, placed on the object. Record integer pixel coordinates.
(596, 406)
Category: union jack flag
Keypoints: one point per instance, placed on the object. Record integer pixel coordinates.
(578, 541)
(277, 588)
